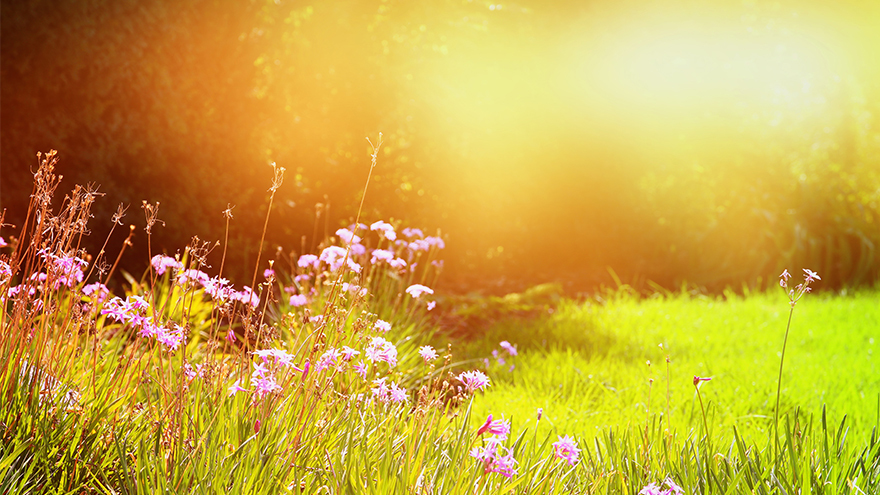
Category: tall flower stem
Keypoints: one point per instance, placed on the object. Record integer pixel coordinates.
(778, 390)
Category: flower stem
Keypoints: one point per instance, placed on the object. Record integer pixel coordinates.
(778, 390)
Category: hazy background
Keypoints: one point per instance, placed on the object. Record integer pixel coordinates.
(670, 141)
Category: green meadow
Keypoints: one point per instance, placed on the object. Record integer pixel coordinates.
(626, 360)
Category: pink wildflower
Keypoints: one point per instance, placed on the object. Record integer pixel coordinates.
(235, 388)
(494, 461)
(397, 394)
(419, 245)
(308, 260)
(360, 369)
(435, 241)
(382, 326)
(428, 353)
(567, 449)
(348, 236)
(348, 353)
(275, 357)
(268, 273)
(386, 228)
(381, 255)
(432, 305)
(413, 233)
(507, 347)
(810, 275)
(698, 379)
(498, 427)
(474, 380)
(380, 350)
(397, 263)
(97, 291)
(4, 244)
(416, 290)
(297, 300)
(161, 263)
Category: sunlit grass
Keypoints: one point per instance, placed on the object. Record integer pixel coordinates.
(587, 365)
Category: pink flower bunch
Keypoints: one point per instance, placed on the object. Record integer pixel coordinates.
(219, 289)
(795, 294)
(97, 291)
(63, 270)
(497, 427)
(354, 289)
(474, 380)
(382, 326)
(507, 347)
(385, 228)
(380, 350)
(566, 449)
(416, 290)
(495, 458)
(428, 353)
(670, 488)
(246, 296)
(192, 276)
(347, 236)
(308, 260)
(133, 311)
(161, 263)
(409, 232)
(263, 378)
(334, 257)
(327, 360)
(298, 300)
(389, 393)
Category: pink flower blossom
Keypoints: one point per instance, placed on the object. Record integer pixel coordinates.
(494, 460)
(474, 380)
(416, 290)
(268, 273)
(428, 353)
(419, 245)
(327, 360)
(360, 369)
(386, 228)
(566, 449)
(435, 241)
(381, 255)
(382, 326)
(297, 300)
(507, 347)
(810, 275)
(192, 277)
(246, 296)
(219, 289)
(97, 291)
(308, 260)
(397, 263)
(380, 350)
(408, 232)
(348, 236)
(498, 427)
(432, 305)
(397, 394)
(4, 244)
(235, 388)
(698, 379)
(161, 263)
(275, 357)
(348, 353)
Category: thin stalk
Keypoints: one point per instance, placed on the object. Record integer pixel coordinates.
(778, 390)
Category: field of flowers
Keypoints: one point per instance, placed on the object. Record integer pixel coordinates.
(327, 374)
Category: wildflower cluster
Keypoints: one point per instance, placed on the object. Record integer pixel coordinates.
(795, 294)
(668, 487)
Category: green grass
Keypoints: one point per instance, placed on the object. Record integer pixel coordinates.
(586, 364)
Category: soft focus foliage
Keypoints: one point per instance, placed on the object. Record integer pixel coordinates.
(675, 142)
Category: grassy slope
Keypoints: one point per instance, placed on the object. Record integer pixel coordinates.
(585, 365)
